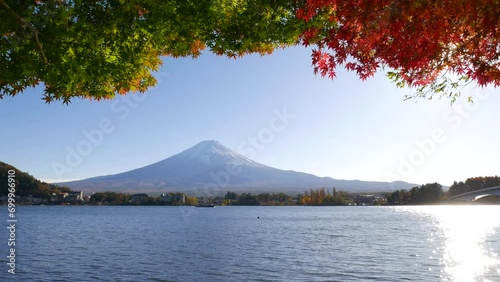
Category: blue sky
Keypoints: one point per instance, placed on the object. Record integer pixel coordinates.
(272, 109)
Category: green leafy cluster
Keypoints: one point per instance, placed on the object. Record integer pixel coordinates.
(97, 49)
(473, 184)
(430, 193)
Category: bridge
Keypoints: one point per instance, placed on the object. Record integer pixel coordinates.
(493, 192)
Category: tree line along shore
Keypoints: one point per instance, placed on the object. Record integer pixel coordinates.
(31, 191)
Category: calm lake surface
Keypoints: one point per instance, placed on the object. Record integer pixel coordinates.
(427, 243)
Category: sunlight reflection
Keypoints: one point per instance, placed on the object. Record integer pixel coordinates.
(465, 229)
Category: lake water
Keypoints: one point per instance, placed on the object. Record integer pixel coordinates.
(428, 243)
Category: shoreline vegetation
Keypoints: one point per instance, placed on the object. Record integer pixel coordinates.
(428, 194)
(34, 192)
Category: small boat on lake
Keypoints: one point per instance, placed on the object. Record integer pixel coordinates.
(205, 206)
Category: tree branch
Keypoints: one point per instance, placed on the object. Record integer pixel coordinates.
(27, 25)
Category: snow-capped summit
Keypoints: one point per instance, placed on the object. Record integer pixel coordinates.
(212, 152)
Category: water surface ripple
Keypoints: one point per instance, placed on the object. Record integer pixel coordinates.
(428, 243)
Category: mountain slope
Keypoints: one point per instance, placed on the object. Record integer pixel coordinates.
(26, 184)
(210, 166)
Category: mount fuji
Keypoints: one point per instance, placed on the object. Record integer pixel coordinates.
(211, 167)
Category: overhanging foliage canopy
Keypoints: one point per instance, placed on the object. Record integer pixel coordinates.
(96, 49)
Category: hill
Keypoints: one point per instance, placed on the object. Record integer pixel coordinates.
(26, 184)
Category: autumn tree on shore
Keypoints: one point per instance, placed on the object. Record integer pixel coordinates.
(323, 197)
(97, 49)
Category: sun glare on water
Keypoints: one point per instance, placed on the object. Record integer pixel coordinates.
(467, 232)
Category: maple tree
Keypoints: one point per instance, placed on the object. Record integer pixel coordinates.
(434, 46)
(97, 49)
